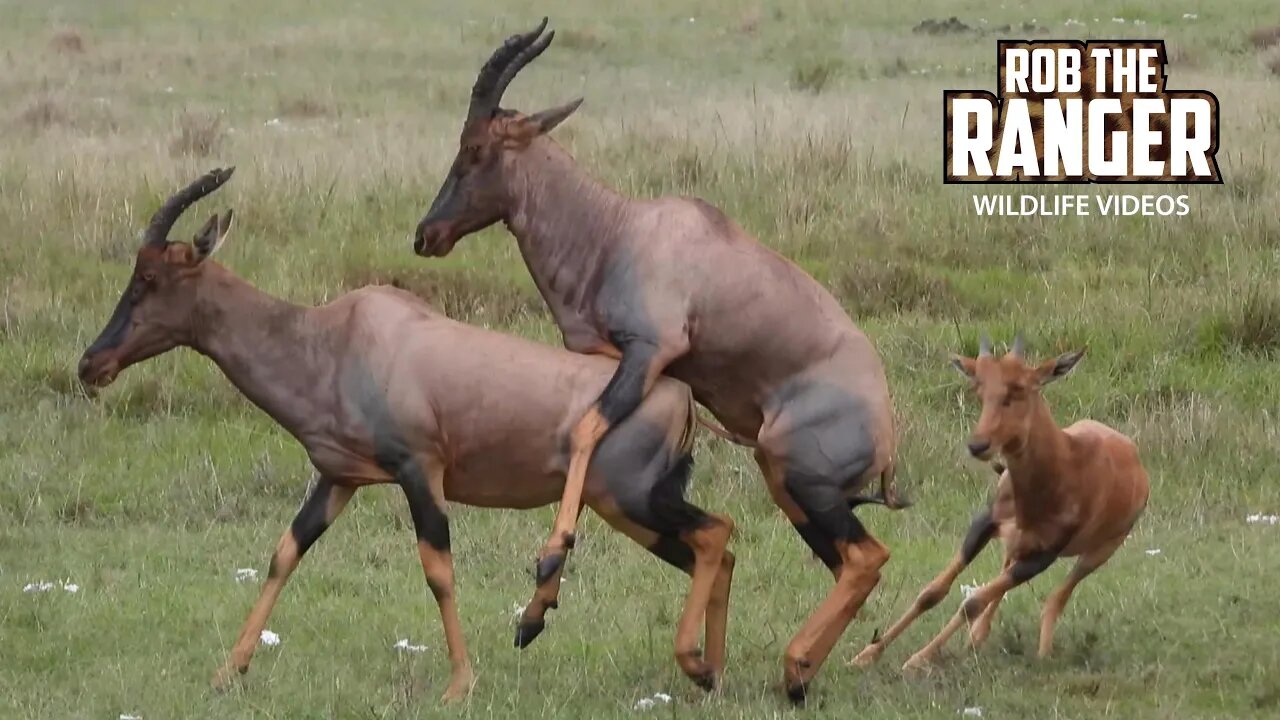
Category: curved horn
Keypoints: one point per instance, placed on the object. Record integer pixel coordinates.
(984, 345)
(162, 222)
(1019, 345)
(487, 92)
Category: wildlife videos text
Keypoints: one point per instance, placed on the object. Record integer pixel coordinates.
(1081, 205)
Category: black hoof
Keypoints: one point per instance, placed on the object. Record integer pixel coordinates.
(548, 567)
(705, 680)
(527, 632)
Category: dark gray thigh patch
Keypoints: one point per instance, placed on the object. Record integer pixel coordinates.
(645, 476)
(829, 437)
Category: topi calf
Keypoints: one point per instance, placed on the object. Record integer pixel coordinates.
(380, 388)
(1073, 492)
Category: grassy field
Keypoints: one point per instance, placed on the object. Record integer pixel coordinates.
(815, 125)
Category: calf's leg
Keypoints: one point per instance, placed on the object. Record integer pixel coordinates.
(980, 532)
(1085, 565)
(1020, 571)
(322, 506)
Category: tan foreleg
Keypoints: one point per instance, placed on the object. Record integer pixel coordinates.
(718, 616)
(981, 628)
(857, 577)
(422, 482)
(323, 504)
(1019, 572)
(709, 543)
(701, 552)
(642, 362)
(980, 532)
(1085, 565)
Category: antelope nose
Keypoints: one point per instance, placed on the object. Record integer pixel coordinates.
(419, 240)
(83, 367)
(978, 447)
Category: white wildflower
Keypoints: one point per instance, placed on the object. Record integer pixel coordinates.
(269, 638)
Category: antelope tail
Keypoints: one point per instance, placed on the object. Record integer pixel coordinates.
(731, 437)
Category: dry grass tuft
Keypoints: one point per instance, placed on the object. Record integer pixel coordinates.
(68, 41)
(585, 39)
(871, 288)
(1263, 38)
(815, 75)
(1181, 56)
(1272, 62)
(43, 113)
(304, 107)
(199, 135)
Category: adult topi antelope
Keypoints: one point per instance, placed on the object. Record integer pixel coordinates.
(380, 388)
(673, 286)
(1073, 492)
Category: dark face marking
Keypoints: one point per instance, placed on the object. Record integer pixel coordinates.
(471, 197)
(152, 316)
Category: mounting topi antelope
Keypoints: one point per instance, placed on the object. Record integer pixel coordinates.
(1073, 492)
(674, 286)
(381, 388)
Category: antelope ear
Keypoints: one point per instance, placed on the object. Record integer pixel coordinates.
(1051, 370)
(965, 366)
(543, 122)
(210, 237)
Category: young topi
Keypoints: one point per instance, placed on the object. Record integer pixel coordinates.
(1073, 492)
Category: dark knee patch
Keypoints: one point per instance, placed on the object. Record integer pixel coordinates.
(930, 598)
(972, 608)
(1032, 565)
(980, 533)
(673, 551)
(547, 568)
(310, 522)
(820, 543)
(826, 509)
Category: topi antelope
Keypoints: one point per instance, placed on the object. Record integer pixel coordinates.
(1073, 492)
(380, 388)
(674, 286)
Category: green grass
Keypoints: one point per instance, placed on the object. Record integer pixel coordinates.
(151, 495)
